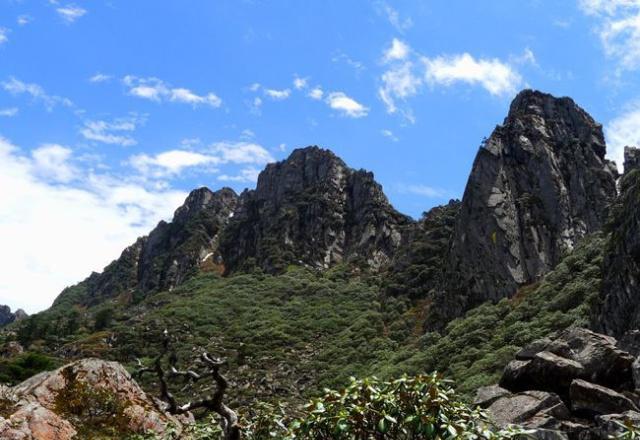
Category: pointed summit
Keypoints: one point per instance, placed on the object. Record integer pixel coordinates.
(538, 185)
(312, 209)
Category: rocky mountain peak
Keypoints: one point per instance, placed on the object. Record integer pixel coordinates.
(313, 209)
(203, 199)
(538, 184)
(7, 316)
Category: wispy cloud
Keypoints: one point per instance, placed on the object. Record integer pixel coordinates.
(112, 132)
(95, 216)
(277, 95)
(248, 175)
(497, 77)
(316, 93)
(423, 190)
(37, 93)
(622, 131)
(70, 13)
(4, 35)
(341, 57)
(346, 105)
(400, 23)
(406, 72)
(24, 20)
(618, 28)
(170, 163)
(389, 135)
(154, 89)
(100, 77)
(9, 112)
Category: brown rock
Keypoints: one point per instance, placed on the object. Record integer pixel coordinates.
(35, 422)
(518, 408)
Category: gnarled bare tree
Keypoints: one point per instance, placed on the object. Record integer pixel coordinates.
(228, 418)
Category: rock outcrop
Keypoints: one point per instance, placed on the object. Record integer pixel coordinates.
(169, 254)
(312, 209)
(577, 385)
(82, 398)
(539, 184)
(619, 307)
(631, 159)
(7, 316)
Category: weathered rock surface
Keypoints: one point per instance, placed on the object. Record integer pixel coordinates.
(579, 368)
(312, 209)
(631, 159)
(7, 316)
(168, 255)
(539, 184)
(619, 306)
(56, 405)
(589, 398)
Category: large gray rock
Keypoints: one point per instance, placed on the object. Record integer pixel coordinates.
(167, 256)
(522, 407)
(591, 399)
(312, 209)
(545, 371)
(618, 310)
(485, 396)
(611, 425)
(539, 184)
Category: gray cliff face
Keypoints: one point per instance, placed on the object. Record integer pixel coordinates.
(312, 209)
(631, 159)
(170, 253)
(538, 185)
(619, 307)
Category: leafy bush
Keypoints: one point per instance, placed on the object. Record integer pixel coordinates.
(24, 366)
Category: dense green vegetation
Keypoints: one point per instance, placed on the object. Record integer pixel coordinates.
(288, 336)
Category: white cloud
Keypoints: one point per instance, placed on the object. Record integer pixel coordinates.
(277, 95)
(51, 161)
(24, 20)
(399, 23)
(9, 112)
(618, 29)
(111, 132)
(496, 77)
(37, 93)
(623, 131)
(171, 162)
(94, 218)
(256, 105)
(248, 175)
(315, 93)
(70, 13)
(389, 134)
(423, 190)
(188, 97)
(346, 105)
(4, 32)
(397, 51)
(398, 82)
(242, 152)
(299, 83)
(99, 77)
(157, 90)
(340, 56)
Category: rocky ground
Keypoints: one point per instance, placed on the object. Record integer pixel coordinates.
(580, 385)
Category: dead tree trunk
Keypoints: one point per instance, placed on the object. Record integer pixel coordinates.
(228, 418)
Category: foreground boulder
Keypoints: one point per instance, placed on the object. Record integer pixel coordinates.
(88, 398)
(579, 385)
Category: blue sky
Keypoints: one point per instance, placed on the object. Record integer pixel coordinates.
(111, 111)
